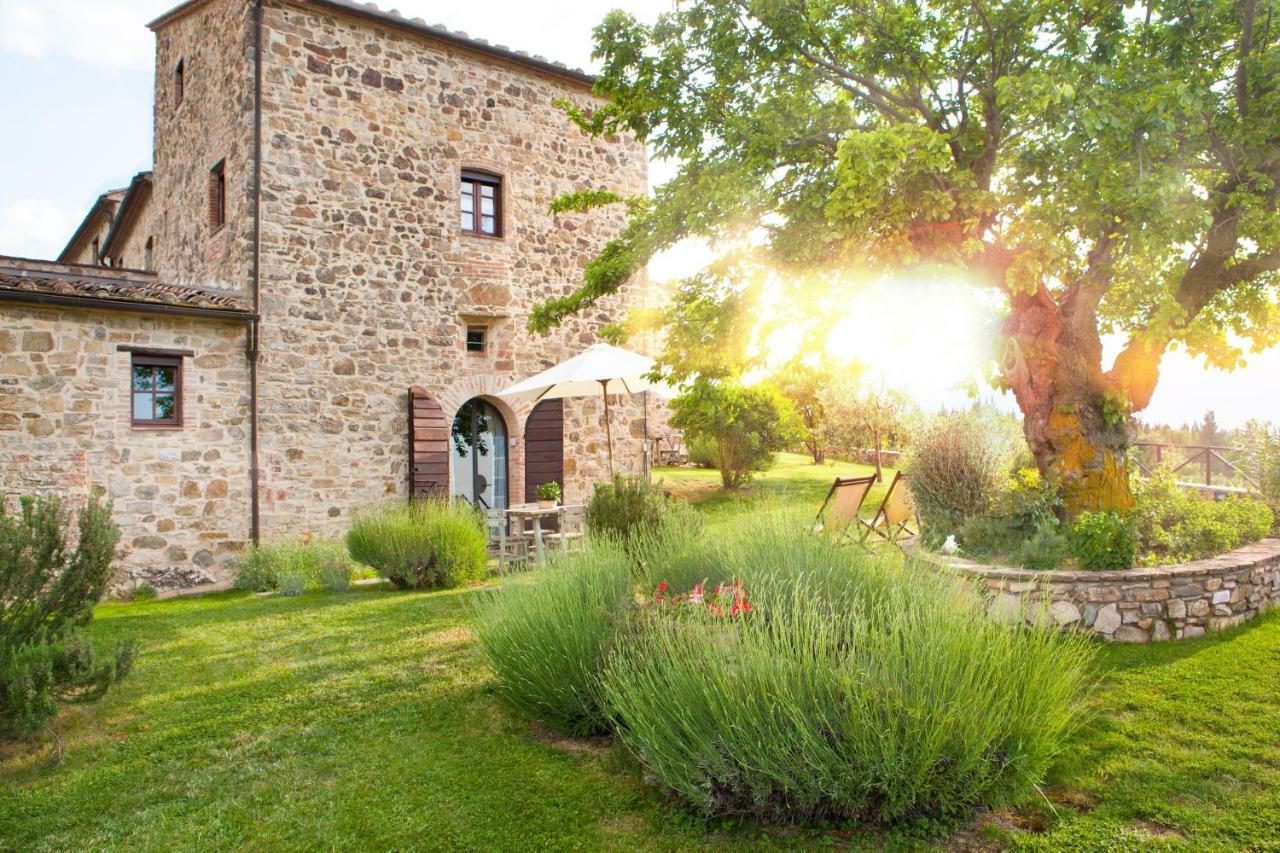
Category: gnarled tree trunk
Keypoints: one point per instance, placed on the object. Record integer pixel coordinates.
(1075, 418)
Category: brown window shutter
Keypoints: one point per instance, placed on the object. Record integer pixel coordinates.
(428, 446)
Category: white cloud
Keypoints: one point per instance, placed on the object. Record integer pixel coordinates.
(36, 227)
(107, 33)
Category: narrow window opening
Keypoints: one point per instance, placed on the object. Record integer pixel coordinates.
(477, 338)
(179, 81)
(218, 195)
(149, 255)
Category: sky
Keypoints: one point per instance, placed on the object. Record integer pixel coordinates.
(78, 97)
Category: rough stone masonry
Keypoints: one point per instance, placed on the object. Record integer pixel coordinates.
(365, 282)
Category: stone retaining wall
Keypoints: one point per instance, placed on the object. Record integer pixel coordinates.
(1135, 605)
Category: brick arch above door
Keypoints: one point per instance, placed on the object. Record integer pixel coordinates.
(514, 413)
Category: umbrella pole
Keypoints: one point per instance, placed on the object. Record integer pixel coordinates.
(608, 431)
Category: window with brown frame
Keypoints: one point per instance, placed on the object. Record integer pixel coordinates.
(481, 204)
(156, 390)
(179, 81)
(218, 194)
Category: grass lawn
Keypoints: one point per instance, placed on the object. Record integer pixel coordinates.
(794, 482)
(366, 720)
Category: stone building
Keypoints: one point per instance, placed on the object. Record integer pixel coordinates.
(346, 224)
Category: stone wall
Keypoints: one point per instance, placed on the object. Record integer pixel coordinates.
(368, 281)
(1135, 605)
(181, 495)
(213, 122)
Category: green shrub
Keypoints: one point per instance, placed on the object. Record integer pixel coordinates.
(1021, 526)
(1103, 540)
(256, 571)
(143, 592)
(626, 505)
(47, 592)
(432, 543)
(1045, 551)
(955, 469)
(848, 690)
(1175, 525)
(1262, 451)
(546, 637)
(292, 567)
(701, 452)
(746, 425)
(292, 581)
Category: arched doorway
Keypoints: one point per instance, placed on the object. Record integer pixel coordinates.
(478, 452)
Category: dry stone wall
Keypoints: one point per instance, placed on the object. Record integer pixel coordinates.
(369, 283)
(1135, 605)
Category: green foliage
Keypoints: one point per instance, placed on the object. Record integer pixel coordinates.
(548, 491)
(1175, 525)
(47, 592)
(1022, 524)
(859, 418)
(1099, 166)
(845, 692)
(1103, 540)
(748, 425)
(292, 567)
(701, 452)
(143, 592)
(1262, 447)
(628, 507)
(955, 470)
(546, 637)
(429, 543)
(803, 384)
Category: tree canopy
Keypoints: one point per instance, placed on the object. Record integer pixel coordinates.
(1106, 167)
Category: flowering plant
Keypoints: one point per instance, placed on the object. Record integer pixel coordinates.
(725, 600)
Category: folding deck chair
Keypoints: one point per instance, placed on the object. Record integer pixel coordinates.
(841, 506)
(892, 521)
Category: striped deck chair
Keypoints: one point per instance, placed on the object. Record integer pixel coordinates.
(892, 521)
(838, 515)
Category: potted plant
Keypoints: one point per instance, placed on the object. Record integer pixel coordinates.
(548, 494)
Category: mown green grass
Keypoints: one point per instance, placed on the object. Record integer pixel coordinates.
(368, 720)
(794, 483)
(357, 720)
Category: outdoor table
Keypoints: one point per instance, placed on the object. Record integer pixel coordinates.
(533, 514)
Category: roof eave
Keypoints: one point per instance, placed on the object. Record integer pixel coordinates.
(126, 214)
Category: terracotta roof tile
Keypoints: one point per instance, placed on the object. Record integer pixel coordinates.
(88, 283)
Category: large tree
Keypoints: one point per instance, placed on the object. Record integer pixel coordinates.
(1107, 167)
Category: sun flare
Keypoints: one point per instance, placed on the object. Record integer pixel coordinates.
(928, 335)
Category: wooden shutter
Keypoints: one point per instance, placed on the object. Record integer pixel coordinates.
(544, 446)
(428, 446)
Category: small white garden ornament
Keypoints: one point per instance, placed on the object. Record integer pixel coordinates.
(950, 546)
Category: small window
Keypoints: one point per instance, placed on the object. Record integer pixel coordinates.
(179, 81)
(157, 390)
(96, 248)
(218, 195)
(149, 255)
(481, 204)
(476, 338)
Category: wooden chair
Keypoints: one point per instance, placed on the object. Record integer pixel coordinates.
(839, 510)
(502, 545)
(892, 521)
(571, 530)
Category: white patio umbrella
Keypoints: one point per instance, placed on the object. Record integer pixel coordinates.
(601, 370)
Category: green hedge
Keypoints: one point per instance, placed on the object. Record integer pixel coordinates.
(430, 543)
